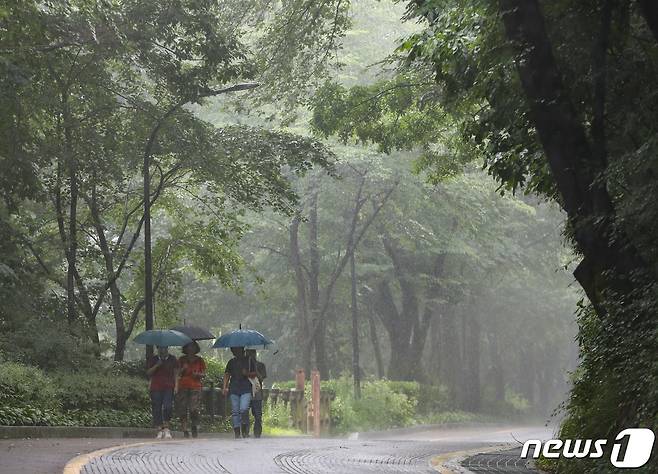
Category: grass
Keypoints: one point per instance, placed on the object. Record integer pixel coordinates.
(277, 431)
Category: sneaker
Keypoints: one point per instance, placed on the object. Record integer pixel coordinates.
(160, 434)
(167, 434)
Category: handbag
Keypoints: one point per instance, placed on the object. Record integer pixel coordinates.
(256, 386)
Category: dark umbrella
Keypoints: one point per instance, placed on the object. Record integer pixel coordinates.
(195, 332)
(242, 338)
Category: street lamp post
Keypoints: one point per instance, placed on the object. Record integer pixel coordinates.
(148, 262)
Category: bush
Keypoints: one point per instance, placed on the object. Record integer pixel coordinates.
(433, 399)
(30, 416)
(457, 416)
(48, 345)
(29, 397)
(22, 385)
(106, 417)
(214, 371)
(380, 406)
(276, 416)
(131, 368)
(93, 391)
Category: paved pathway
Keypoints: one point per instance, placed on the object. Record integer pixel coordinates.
(48, 455)
(391, 453)
(508, 461)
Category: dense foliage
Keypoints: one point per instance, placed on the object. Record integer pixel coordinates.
(386, 254)
(553, 98)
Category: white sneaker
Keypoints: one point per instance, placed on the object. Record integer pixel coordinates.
(167, 433)
(160, 435)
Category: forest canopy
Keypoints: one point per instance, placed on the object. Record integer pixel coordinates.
(442, 192)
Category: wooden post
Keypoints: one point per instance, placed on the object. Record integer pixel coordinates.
(315, 401)
(300, 380)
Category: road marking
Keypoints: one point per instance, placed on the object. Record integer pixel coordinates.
(75, 465)
(448, 463)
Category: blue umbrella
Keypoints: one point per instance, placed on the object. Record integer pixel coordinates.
(242, 338)
(162, 337)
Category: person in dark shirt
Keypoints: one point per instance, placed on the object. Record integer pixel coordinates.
(257, 372)
(238, 387)
(163, 372)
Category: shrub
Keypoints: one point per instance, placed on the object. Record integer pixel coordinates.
(93, 391)
(138, 418)
(48, 345)
(214, 371)
(22, 385)
(457, 416)
(131, 368)
(433, 399)
(276, 416)
(30, 416)
(379, 407)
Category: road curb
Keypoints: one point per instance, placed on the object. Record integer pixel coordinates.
(449, 463)
(75, 465)
(109, 432)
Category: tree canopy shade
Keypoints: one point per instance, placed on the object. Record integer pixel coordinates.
(89, 90)
(555, 98)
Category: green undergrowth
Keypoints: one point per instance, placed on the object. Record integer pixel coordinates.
(386, 404)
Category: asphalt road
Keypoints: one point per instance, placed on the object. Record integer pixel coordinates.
(394, 452)
(399, 452)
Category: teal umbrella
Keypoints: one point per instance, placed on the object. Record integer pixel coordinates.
(162, 337)
(242, 338)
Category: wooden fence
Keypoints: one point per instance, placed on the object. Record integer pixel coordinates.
(215, 405)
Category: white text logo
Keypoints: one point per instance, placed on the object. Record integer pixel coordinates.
(631, 449)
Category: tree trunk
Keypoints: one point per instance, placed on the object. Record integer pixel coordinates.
(301, 309)
(611, 267)
(72, 241)
(497, 369)
(472, 395)
(115, 293)
(404, 363)
(379, 360)
(314, 288)
(450, 353)
(356, 370)
(527, 374)
(148, 259)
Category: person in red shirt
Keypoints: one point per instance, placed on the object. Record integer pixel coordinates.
(188, 395)
(163, 372)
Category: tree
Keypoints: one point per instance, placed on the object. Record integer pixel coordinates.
(541, 93)
(93, 91)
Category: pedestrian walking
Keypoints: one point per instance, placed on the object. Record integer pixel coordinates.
(162, 369)
(238, 387)
(257, 373)
(188, 396)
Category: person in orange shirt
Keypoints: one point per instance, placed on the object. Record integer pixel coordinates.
(188, 396)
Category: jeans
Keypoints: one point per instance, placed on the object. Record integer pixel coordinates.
(257, 411)
(161, 406)
(240, 409)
